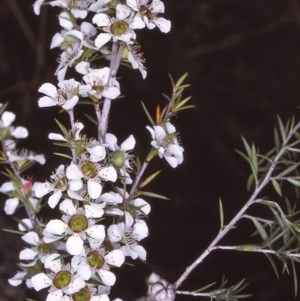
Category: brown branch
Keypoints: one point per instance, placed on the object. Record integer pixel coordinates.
(238, 38)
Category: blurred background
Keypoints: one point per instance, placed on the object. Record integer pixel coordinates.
(243, 62)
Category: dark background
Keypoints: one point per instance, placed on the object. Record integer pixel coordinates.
(244, 68)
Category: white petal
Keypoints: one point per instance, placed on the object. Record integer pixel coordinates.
(115, 258)
(132, 4)
(57, 295)
(74, 245)
(7, 186)
(75, 184)
(84, 271)
(98, 151)
(11, 206)
(94, 189)
(57, 40)
(108, 173)
(59, 137)
(114, 233)
(20, 132)
(137, 23)
(17, 279)
(53, 263)
(70, 103)
(143, 205)
(67, 207)
(56, 226)
(107, 277)
(141, 252)
(64, 21)
(31, 238)
(40, 281)
(112, 198)
(7, 118)
(27, 254)
(37, 6)
(96, 232)
(46, 101)
(42, 189)
(82, 67)
(101, 20)
(25, 225)
(48, 89)
(94, 243)
(76, 285)
(93, 210)
(102, 39)
(79, 13)
(140, 230)
(73, 172)
(111, 92)
(54, 198)
(122, 11)
(128, 144)
(100, 298)
(172, 161)
(163, 24)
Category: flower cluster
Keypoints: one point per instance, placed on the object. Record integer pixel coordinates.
(97, 191)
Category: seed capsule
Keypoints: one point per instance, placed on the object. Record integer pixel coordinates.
(162, 291)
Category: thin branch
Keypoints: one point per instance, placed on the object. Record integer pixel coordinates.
(238, 216)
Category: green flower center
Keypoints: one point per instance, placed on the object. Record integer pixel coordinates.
(78, 223)
(144, 11)
(62, 279)
(61, 183)
(44, 248)
(95, 259)
(83, 295)
(89, 169)
(119, 27)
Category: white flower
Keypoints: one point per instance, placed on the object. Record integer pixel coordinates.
(121, 158)
(165, 141)
(119, 28)
(98, 261)
(58, 184)
(129, 233)
(148, 13)
(77, 226)
(25, 155)
(136, 59)
(61, 281)
(65, 96)
(97, 84)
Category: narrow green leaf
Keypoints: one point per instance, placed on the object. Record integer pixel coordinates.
(204, 288)
(171, 79)
(281, 129)
(250, 182)
(63, 129)
(153, 195)
(181, 79)
(64, 156)
(294, 181)
(277, 187)
(288, 170)
(13, 231)
(254, 159)
(221, 214)
(92, 119)
(273, 264)
(147, 113)
(247, 147)
(295, 278)
(260, 228)
(149, 179)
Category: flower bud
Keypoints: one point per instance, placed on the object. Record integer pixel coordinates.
(163, 291)
(118, 159)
